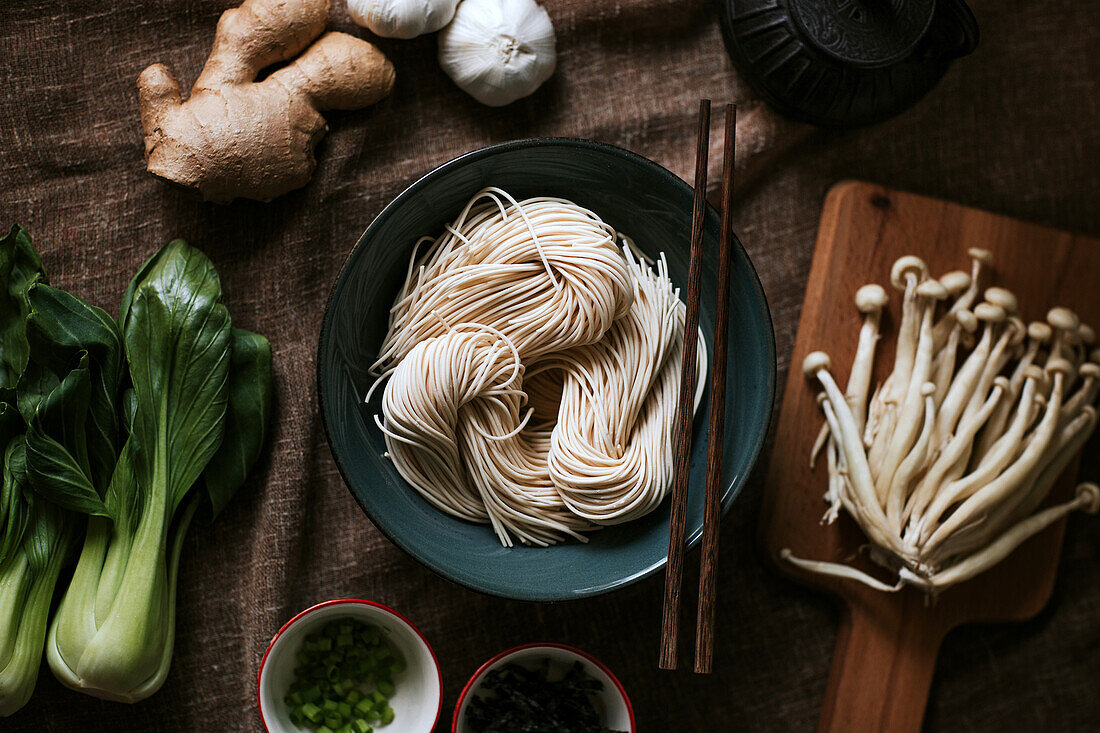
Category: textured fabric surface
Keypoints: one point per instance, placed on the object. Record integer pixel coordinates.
(1012, 129)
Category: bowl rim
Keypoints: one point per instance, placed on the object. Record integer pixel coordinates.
(348, 602)
(476, 676)
(770, 376)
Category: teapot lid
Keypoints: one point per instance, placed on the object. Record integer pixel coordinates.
(842, 63)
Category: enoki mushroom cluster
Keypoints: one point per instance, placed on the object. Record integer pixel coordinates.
(533, 366)
(946, 467)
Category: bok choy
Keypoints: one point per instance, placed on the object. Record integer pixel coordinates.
(35, 535)
(200, 397)
(118, 433)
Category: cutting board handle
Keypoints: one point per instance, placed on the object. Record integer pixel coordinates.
(881, 674)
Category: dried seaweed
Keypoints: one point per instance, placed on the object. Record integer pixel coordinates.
(514, 699)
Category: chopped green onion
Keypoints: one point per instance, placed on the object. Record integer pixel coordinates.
(312, 713)
(343, 679)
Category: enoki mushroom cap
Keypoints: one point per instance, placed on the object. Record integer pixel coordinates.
(1094, 355)
(1039, 331)
(926, 389)
(1059, 366)
(1034, 371)
(907, 266)
(1086, 335)
(967, 320)
(1092, 491)
(1004, 298)
(1089, 370)
(1002, 382)
(932, 289)
(955, 281)
(990, 313)
(815, 362)
(980, 255)
(871, 298)
(1063, 319)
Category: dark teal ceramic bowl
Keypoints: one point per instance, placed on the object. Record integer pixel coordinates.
(637, 197)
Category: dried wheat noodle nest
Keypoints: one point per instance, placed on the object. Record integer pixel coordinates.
(531, 370)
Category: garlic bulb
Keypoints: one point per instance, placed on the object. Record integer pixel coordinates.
(498, 50)
(402, 18)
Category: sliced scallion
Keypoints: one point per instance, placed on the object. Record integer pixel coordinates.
(343, 679)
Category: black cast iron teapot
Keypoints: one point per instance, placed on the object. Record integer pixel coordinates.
(842, 63)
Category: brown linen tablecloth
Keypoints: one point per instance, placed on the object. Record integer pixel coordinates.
(1014, 129)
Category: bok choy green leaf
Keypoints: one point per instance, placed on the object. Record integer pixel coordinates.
(20, 267)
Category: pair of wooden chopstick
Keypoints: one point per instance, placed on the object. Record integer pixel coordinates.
(670, 622)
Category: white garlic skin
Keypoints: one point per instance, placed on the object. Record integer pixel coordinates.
(498, 51)
(402, 18)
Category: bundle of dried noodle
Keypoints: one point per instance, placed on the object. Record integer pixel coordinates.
(533, 366)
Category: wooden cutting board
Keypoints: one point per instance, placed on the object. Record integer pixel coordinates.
(887, 643)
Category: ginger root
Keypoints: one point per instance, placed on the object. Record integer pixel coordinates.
(235, 136)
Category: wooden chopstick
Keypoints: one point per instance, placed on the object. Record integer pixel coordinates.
(670, 620)
(712, 515)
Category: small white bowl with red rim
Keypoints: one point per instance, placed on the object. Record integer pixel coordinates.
(417, 698)
(612, 702)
